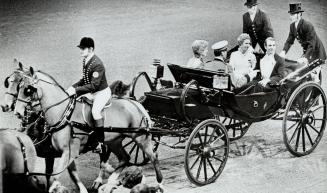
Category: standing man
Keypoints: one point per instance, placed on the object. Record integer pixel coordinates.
(93, 81)
(257, 24)
(218, 63)
(305, 33)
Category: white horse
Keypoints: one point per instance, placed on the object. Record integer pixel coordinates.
(122, 113)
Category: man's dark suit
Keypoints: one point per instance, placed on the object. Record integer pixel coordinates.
(307, 37)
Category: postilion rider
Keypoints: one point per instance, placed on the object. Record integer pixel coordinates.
(94, 82)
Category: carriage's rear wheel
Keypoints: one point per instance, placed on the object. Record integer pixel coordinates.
(236, 128)
(206, 152)
(304, 120)
(137, 156)
(140, 84)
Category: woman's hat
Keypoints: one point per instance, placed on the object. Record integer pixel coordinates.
(295, 8)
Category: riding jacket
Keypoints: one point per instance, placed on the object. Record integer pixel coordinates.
(94, 77)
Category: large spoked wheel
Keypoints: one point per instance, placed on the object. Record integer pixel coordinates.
(137, 156)
(140, 84)
(236, 128)
(304, 120)
(206, 152)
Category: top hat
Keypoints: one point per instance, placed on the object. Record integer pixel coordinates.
(250, 3)
(86, 42)
(295, 8)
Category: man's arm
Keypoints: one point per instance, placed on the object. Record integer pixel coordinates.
(267, 28)
(311, 40)
(290, 40)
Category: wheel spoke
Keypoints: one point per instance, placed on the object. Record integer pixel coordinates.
(298, 138)
(318, 108)
(137, 154)
(130, 151)
(199, 136)
(196, 160)
(291, 126)
(205, 169)
(294, 133)
(314, 101)
(313, 128)
(308, 134)
(205, 135)
(303, 139)
(212, 168)
(215, 157)
(199, 169)
(127, 144)
(212, 134)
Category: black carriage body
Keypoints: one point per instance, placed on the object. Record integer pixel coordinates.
(205, 102)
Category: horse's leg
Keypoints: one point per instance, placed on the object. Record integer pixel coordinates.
(106, 169)
(48, 170)
(74, 176)
(70, 150)
(144, 142)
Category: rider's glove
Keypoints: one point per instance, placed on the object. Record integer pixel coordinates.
(71, 91)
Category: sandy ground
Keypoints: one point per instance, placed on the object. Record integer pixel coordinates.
(129, 34)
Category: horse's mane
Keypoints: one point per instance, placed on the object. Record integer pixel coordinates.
(119, 89)
(54, 80)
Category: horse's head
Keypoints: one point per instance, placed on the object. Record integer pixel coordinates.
(11, 83)
(29, 93)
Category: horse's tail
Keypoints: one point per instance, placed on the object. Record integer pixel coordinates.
(119, 89)
(149, 123)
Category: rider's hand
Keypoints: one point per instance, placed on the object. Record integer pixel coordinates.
(264, 82)
(282, 54)
(71, 91)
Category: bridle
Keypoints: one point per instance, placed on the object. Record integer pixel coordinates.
(33, 97)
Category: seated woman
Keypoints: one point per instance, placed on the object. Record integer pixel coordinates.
(272, 68)
(200, 50)
(243, 62)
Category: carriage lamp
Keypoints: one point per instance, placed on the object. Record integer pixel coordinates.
(158, 71)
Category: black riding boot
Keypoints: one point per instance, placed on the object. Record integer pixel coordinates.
(99, 135)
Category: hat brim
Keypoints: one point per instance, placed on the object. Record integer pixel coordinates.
(79, 46)
(293, 12)
(250, 4)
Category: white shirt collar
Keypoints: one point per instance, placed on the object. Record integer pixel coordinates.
(88, 58)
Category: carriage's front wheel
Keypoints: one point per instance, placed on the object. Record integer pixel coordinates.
(206, 152)
(304, 120)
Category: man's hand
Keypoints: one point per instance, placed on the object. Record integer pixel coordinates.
(71, 91)
(282, 54)
(264, 82)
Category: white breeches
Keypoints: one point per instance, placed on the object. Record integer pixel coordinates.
(100, 99)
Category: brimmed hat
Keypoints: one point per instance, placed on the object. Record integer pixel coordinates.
(251, 3)
(222, 45)
(86, 42)
(295, 8)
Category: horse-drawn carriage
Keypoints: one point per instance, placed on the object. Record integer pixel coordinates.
(200, 108)
(204, 112)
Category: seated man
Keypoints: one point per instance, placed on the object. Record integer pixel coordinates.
(243, 62)
(218, 63)
(272, 70)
